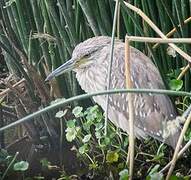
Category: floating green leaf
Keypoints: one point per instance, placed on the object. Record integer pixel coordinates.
(112, 156)
(86, 138)
(83, 149)
(154, 169)
(4, 156)
(87, 125)
(105, 141)
(77, 111)
(124, 174)
(176, 84)
(21, 166)
(44, 162)
(173, 177)
(99, 126)
(98, 135)
(93, 166)
(71, 123)
(71, 133)
(60, 114)
(154, 174)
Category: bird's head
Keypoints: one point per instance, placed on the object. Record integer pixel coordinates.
(83, 55)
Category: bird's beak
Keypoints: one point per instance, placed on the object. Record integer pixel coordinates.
(69, 65)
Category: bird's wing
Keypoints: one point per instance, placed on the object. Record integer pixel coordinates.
(151, 110)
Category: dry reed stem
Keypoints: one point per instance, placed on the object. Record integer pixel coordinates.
(183, 72)
(130, 107)
(3, 93)
(157, 30)
(176, 153)
(175, 156)
(170, 33)
(159, 40)
(188, 144)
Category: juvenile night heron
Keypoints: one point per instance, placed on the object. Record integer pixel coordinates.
(154, 114)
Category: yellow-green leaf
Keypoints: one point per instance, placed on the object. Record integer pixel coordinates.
(112, 156)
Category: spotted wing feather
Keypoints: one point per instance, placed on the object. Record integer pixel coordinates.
(151, 110)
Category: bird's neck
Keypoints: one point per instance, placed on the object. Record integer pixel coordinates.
(92, 80)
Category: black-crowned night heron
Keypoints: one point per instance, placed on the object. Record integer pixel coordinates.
(154, 114)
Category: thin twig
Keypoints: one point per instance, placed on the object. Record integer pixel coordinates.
(159, 40)
(188, 144)
(170, 33)
(9, 166)
(157, 30)
(183, 72)
(175, 156)
(110, 65)
(130, 107)
(3, 93)
(183, 54)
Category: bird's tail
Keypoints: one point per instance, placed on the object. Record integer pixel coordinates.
(171, 131)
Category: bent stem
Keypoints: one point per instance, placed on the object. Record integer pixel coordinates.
(175, 156)
(188, 144)
(156, 29)
(170, 33)
(62, 102)
(9, 166)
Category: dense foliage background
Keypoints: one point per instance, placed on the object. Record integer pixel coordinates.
(36, 36)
